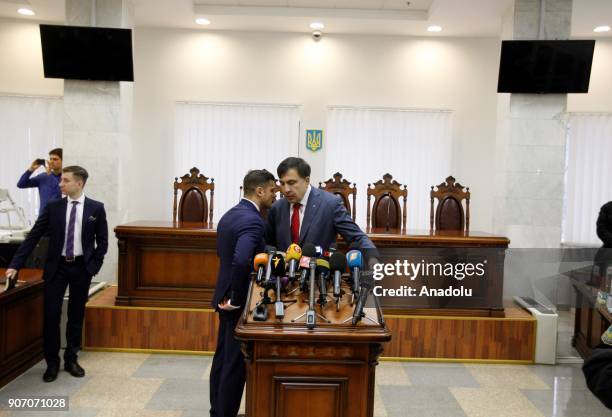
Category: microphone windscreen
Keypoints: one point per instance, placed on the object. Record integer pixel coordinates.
(261, 259)
(278, 265)
(337, 262)
(322, 265)
(305, 262)
(309, 250)
(354, 259)
(294, 252)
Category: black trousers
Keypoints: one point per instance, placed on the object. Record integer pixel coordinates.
(228, 372)
(75, 276)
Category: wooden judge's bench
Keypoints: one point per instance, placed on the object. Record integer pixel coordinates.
(168, 271)
(175, 264)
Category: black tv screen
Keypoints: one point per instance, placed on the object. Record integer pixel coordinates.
(553, 67)
(87, 53)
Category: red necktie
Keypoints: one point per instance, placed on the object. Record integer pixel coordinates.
(295, 223)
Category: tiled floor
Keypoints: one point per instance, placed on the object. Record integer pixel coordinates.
(152, 385)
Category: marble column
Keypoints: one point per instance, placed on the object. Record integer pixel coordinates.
(531, 141)
(97, 124)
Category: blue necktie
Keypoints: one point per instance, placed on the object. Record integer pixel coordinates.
(70, 238)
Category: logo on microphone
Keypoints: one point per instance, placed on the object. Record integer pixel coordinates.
(314, 140)
(276, 260)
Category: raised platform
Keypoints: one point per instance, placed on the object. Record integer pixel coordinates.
(509, 339)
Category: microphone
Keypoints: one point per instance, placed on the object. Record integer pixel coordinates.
(260, 313)
(278, 270)
(259, 264)
(294, 253)
(310, 314)
(271, 252)
(337, 264)
(322, 269)
(367, 283)
(308, 252)
(355, 264)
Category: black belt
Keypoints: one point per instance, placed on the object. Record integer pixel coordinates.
(70, 259)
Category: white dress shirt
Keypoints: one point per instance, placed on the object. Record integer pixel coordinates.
(252, 202)
(302, 209)
(78, 225)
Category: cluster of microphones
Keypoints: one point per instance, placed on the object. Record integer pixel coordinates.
(324, 275)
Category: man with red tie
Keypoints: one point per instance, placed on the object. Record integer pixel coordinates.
(78, 240)
(309, 215)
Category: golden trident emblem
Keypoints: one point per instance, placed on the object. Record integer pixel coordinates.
(314, 139)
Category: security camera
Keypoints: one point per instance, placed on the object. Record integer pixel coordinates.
(317, 35)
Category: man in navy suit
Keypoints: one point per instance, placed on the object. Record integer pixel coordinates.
(240, 236)
(78, 240)
(310, 215)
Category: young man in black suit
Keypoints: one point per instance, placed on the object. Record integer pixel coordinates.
(240, 236)
(78, 240)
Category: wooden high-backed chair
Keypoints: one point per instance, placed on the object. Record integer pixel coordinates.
(193, 205)
(343, 189)
(449, 214)
(386, 208)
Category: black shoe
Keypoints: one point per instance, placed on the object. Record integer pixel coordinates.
(50, 374)
(74, 369)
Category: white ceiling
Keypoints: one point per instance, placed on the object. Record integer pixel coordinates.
(390, 17)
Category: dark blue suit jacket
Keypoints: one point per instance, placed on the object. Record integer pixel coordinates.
(52, 222)
(240, 236)
(325, 217)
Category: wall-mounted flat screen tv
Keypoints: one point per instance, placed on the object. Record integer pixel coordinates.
(545, 67)
(87, 53)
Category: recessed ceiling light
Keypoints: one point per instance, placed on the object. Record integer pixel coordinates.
(202, 21)
(25, 11)
(434, 28)
(604, 28)
(317, 26)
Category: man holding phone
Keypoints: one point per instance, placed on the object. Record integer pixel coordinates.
(46, 182)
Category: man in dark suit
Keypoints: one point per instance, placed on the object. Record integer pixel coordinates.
(78, 240)
(240, 236)
(310, 215)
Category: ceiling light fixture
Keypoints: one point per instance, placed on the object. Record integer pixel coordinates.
(202, 21)
(604, 28)
(25, 11)
(317, 26)
(434, 28)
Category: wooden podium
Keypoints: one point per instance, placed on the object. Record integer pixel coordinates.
(295, 372)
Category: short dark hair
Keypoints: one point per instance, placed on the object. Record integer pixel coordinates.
(77, 171)
(301, 166)
(256, 178)
(56, 152)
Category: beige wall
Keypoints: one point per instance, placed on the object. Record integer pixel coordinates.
(457, 74)
(21, 69)
(599, 98)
